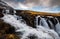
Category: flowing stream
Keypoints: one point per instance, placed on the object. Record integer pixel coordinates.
(26, 32)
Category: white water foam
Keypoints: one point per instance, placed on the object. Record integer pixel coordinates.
(40, 32)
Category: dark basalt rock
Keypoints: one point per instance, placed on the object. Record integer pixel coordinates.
(7, 30)
(31, 19)
(32, 37)
(1, 15)
(27, 17)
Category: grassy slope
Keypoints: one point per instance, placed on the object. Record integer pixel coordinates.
(40, 13)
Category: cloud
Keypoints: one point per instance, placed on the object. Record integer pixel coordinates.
(32, 3)
(45, 5)
(18, 5)
(22, 6)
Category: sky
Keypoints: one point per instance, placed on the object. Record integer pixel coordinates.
(35, 5)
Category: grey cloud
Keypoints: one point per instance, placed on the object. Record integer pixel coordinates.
(47, 3)
(33, 3)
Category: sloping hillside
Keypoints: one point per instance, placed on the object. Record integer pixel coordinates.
(37, 13)
(30, 16)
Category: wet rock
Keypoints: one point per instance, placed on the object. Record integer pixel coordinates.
(7, 30)
(30, 17)
(32, 37)
(1, 15)
(27, 17)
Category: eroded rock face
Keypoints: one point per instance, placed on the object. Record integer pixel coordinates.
(31, 19)
(29, 32)
(27, 17)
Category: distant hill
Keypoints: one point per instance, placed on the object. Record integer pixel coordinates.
(37, 13)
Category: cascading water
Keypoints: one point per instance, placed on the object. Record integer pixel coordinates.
(57, 27)
(38, 20)
(42, 22)
(27, 32)
(50, 24)
(19, 18)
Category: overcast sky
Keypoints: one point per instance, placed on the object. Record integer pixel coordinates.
(36, 5)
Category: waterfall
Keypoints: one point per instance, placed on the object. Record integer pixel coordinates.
(57, 27)
(41, 22)
(38, 20)
(50, 24)
(44, 23)
(27, 32)
(7, 11)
